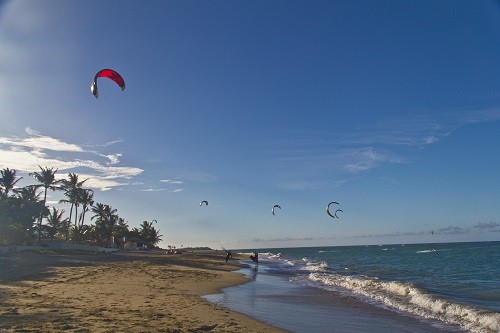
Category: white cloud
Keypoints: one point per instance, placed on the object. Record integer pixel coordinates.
(187, 174)
(153, 190)
(422, 128)
(27, 154)
(107, 144)
(368, 158)
(341, 160)
(113, 158)
(170, 181)
(174, 183)
(40, 142)
(103, 183)
(494, 226)
(449, 230)
(430, 139)
(229, 241)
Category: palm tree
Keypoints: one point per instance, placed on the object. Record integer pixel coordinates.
(55, 223)
(106, 220)
(73, 198)
(48, 180)
(85, 198)
(134, 235)
(71, 187)
(30, 196)
(121, 232)
(149, 234)
(155, 237)
(28, 193)
(8, 181)
(22, 211)
(87, 234)
(100, 211)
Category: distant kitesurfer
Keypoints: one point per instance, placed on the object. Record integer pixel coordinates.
(255, 257)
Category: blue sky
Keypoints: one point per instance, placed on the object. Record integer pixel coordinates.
(391, 108)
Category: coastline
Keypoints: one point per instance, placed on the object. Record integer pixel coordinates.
(137, 291)
(372, 289)
(273, 299)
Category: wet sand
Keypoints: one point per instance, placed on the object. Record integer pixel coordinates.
(133, 292)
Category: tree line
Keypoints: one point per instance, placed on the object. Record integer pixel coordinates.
(23, 211)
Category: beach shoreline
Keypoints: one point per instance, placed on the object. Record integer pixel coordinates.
(141, 291)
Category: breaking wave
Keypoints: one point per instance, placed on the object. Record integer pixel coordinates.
(404, 297)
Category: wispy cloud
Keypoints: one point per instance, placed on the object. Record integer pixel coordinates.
(113, 158)
(107, 144)
(488, 226)
(290, 239)
(153, 190)
(453, 230)
(25, 154)
(39, 142)
(183, 175)
(229, 242)
(449, 230)
(320, 153)
(396, 234)
(170, 181)
(174, 185)
(419, 129)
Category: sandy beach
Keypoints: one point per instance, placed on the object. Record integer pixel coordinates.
(133, 292)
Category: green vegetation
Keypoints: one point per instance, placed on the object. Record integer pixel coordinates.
(22, 213)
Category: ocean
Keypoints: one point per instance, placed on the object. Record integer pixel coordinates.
(417, 288)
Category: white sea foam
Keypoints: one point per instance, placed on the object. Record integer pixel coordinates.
(279, 264)
(245, 253)
(294, 265)
(426, 251)
(271, 256)
(406, 298)
(311, 266)
(433, 250)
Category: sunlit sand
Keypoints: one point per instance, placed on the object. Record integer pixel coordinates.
(136, 292)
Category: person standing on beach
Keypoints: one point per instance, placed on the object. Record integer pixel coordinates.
(228, 255)
(255, 257)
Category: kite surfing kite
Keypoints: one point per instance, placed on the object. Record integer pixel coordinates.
(334, 215)
(276, 206)
(110, 74)
(204, 202)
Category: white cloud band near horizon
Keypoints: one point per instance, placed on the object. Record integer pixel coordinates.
(27, 154)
